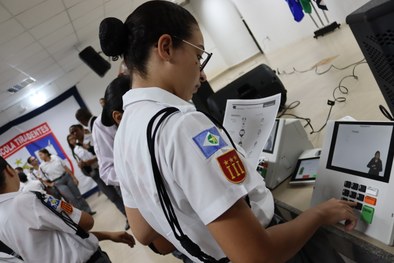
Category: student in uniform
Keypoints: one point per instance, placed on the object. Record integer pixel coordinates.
(63, 179)
(87, 162)
(85, 117)
(37, 234)
(112, 115)
(35, 172)
(83, 136)
(206, 179)
(104, 128)
(27, 184)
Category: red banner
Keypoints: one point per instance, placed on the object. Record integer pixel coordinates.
(23, 139)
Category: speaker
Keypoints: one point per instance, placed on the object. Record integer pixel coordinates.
(94, 61)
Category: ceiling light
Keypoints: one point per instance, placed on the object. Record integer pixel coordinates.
(17, 87)
(38, 99)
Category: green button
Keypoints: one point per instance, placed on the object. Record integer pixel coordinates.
(367, 214)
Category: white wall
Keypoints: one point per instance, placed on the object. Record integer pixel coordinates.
(274, 20)
(92, 87)
(339, 9)
(216, 64)
(223, 23)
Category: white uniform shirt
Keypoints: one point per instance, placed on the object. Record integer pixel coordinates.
(31, 185)
(37, 234)
(54, 168)
(88, 138)
(103, 141)
(6, 258)
(36, 174)
(84, 155)
(197, 186)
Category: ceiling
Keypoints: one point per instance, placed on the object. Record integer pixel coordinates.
(41, 39)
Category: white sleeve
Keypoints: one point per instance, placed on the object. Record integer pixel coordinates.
(127, 196)
(203, 164)
(103, 147)
(48, 220)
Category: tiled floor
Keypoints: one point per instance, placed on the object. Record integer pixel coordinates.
(108, 218)
(310, 89)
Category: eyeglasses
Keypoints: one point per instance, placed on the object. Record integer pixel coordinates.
(203, 58)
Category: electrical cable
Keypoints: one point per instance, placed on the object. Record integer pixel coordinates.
(315, 68)
(291, 106)
(339, 99)
(386, 113)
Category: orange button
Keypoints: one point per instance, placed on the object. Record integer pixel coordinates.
(370, 200)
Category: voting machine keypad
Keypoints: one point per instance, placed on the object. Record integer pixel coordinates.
(364, 196)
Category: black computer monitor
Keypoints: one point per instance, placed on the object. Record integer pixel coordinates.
(260, 82)
(373, 27)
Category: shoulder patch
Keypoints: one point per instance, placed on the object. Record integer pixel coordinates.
(232, 167)
(209, 141)
(66, 207)
(53, 202)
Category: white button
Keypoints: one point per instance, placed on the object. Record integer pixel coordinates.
(372, 191)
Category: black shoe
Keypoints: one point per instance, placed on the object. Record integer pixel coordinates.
(127, 227)
(92, 213)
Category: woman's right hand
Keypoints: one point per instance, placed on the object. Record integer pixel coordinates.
(334, 211)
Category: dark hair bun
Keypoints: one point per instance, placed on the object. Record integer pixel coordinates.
(113, 37)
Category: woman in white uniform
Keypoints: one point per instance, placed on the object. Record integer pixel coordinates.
(57, 172)
(205, 178)
(40, 228)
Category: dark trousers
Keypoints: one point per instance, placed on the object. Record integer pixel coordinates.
(110, 191)
(69, 190)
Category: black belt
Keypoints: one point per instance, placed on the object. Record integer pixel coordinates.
(57, 179)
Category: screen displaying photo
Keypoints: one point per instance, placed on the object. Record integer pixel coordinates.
(362, 149)
(270, 144)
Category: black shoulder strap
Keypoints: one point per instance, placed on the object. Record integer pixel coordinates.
(91, 123)
(165, 202)
(7, 250)
(78, 230)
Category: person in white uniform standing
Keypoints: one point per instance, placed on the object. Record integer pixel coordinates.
(64, 180)
(39, 228)
(182, 179)
(104, 128)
